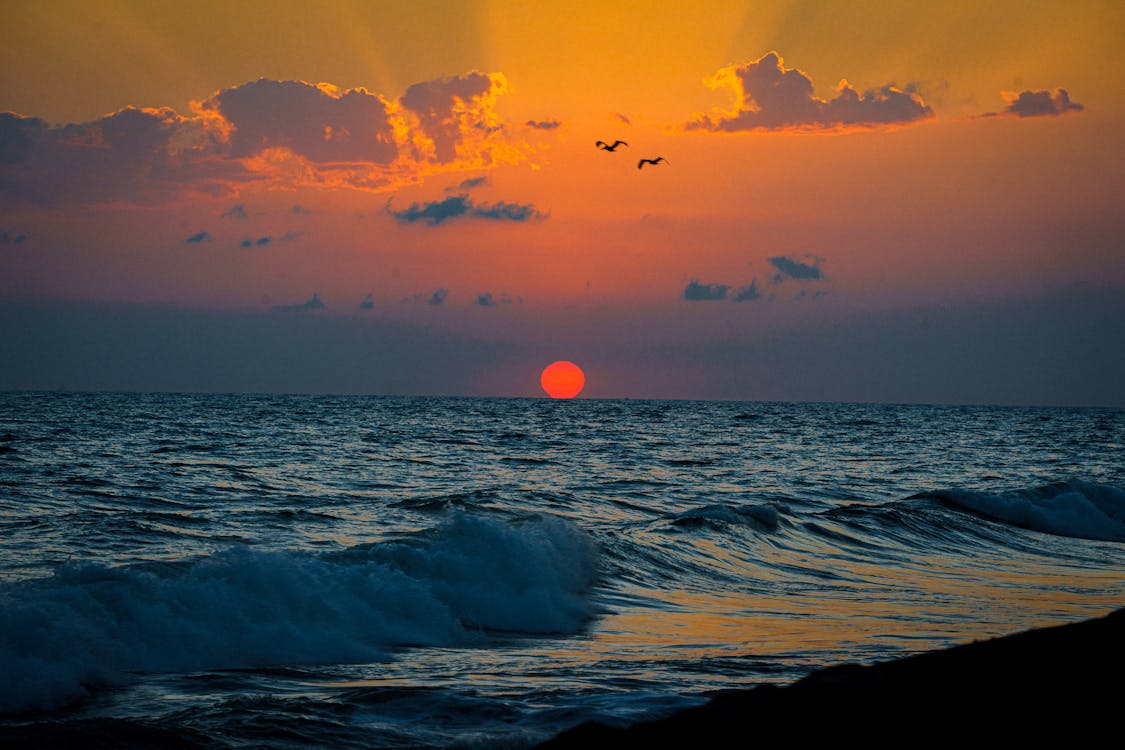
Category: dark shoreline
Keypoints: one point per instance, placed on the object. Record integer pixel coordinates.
(1061, 681)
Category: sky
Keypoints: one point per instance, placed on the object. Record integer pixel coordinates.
(868, 201)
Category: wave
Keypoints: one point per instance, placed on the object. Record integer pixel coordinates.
(89, 625)
(761, 517)
(1085, 510)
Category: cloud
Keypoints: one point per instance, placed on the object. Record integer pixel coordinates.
(288, 134)
(439, 296)
(314, 303)
(1037, 104)
(473, 182)
(13, 237)
(1042, 349)
(487, 299)
(769, 96)
(435, 213)
(19, 136)
(317, 135)
(699, 292)
(747, 293)
(807, 270)
(237, 211)
(789, 268)
(199, 237)
(317, 122)
(368, 302)
(299, 210)
(137, 155)
(455, 116)
(543, 124)
(503, 211)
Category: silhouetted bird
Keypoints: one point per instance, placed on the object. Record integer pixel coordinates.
(610, 147)
(654, 162)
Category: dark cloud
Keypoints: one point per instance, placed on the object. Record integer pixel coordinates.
(12, 237)
(699, 292)
(450, 109)
(314, 303)
(199, 237)
(543, 124)
(435, 213)
(140, 155)
(503, 211)
(1039, 104)
(788, 268)
(299, 210)
(747, 293)
(487, 299)
(1054, 348)
(769, 96)
(55, 344)
(439, 296)
(320, 123)
(473, 182)
(368, 302)
(19, 136)
(237, 211)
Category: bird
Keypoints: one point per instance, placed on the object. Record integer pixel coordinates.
(654, 162)
(610, 147)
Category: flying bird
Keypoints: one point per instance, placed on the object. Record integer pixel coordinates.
(654, 162)
(610, 147)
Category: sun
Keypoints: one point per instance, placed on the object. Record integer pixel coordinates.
(562, 379)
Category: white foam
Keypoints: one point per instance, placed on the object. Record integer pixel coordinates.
(91, 624)
(1076, 509)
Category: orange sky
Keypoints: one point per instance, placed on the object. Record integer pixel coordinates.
(464, 161)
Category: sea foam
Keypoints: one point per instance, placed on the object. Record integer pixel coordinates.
(1077, 509)
(89, 624)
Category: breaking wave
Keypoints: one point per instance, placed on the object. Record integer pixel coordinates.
(1075, 508)
(89, 624)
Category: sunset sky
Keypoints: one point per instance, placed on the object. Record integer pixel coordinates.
(862, 201)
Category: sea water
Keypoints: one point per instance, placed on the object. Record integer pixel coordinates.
(294, 571)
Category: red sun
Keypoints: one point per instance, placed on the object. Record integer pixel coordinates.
(562, 379)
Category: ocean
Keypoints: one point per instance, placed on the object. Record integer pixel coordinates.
(238, 571)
